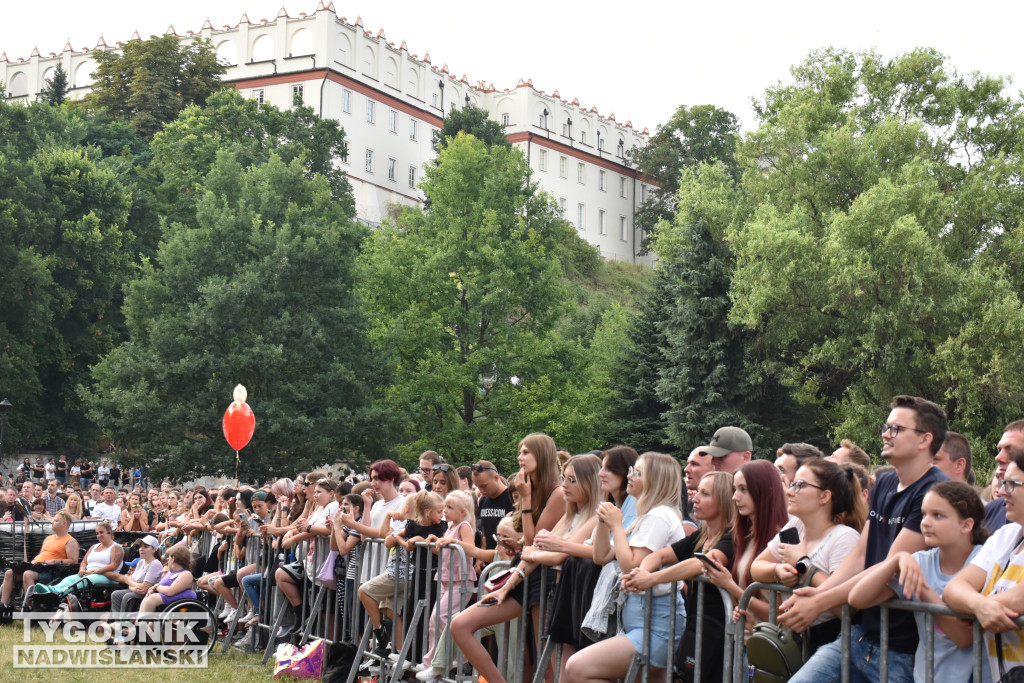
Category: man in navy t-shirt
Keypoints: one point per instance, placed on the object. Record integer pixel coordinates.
(911, 436)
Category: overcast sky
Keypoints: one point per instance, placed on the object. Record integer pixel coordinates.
(637, 59)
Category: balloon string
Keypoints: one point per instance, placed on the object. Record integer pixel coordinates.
(236, 469)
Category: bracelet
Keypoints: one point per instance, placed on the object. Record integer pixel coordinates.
(309, 528)
(522, 574)
(528, 510)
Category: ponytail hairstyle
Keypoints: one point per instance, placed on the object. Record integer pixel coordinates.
(848, 504)
(422, 503)
(967, 504)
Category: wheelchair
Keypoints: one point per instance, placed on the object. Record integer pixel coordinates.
(189, 621)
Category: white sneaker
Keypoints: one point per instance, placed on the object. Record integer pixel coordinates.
(224, 612)
(229, 616)
(429, 674)
(247, 618)
(419, 667)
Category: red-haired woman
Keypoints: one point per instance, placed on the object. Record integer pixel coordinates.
(760, 514)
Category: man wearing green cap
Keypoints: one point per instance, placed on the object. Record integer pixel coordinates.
(729, 449)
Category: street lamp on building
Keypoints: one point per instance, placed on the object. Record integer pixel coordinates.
(5, 407)
(467, 99)
(440, 84)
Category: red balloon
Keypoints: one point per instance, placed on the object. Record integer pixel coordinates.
(239, 424)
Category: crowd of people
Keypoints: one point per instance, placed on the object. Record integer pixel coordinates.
(596, 540)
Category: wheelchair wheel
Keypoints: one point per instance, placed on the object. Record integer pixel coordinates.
(194, 624)
(68, 610)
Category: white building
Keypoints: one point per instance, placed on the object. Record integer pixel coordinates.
(390, 102)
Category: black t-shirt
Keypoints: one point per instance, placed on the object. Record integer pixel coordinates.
(714, 613)
(38, 471)
(62, 468)
(86, 470)
(891, 512)
(492, 510)
(419, 558)
(115, 474)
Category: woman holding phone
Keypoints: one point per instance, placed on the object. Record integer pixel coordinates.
(828, 513)
(681, 561)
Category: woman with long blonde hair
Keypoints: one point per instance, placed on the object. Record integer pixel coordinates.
(656, 482)
(73, 506)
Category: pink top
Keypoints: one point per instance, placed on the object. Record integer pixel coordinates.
(449, 561)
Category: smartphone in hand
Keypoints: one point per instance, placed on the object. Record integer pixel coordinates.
(707, 560)
(789, 536)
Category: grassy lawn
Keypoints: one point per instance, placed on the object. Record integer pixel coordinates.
(235, 666)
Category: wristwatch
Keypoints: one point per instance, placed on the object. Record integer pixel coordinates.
(802, 565)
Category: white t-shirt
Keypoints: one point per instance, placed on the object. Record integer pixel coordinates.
(50, 471)
(111, 512)
(659, 528)
(373, 563)
(830, 553)
(1003, 563)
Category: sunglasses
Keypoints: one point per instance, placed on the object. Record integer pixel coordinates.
(444, 467)
(482, 468)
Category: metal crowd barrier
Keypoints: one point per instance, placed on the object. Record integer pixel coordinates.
(979, 651)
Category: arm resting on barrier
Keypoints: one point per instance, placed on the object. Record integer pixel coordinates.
(963, 594)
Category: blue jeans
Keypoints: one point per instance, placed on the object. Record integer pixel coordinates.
(865, 662)
(251, 584)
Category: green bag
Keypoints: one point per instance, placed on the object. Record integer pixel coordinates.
(773, 652)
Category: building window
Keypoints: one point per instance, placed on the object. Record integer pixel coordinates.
(542, 162)
(601, 227)
(371, 111)
(622, 188)
(258, 95)
(561, 206)
(643, 193)
(392, 165)
(368, 167)
(581, 174)
(344, 154)
(412, 177)
(504, 119)
(583, 137)
(581, 212)
(435, 99)
(565, 130)
(540, 120)
(563, 167)
(623, 230)
(412, 129)
(600, 180)
(346, 101)
(393, 121)
(297, 95)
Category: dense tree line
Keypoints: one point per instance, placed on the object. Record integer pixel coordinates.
(862, 240)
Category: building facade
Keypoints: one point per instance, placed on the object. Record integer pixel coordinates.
(390, 102)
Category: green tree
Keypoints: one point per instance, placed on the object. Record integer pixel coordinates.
(703, 134)
(878, 258)
(149, 82)
(259, 291)
(56, 89)
(185, 150)
(65, 252)
(465, 297)
(473, 120)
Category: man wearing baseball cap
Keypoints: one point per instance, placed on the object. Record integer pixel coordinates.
(730, 449)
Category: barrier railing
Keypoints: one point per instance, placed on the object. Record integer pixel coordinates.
(930, 611)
